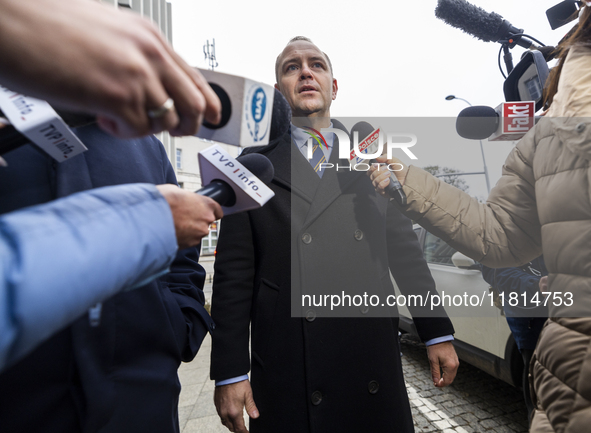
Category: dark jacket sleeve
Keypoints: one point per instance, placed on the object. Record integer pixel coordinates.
(185, 283)
(412, 275)
(511, 280)
(233, 288)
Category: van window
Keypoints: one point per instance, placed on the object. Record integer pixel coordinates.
(437, 251)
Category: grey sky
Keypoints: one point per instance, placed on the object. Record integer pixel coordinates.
(390, 58)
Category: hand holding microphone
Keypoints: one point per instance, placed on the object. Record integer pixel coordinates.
(391, 187)
(381, 178)
(192, 214)
(84, 56)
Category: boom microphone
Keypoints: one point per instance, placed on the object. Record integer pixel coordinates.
(486, 26)
(219, 190)
(394, 190)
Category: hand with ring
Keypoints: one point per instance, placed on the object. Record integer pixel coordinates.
(123, 71)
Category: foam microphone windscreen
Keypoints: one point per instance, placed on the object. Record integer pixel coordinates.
(477, 123)
(363, 129)
(259, 165)
(281, 116)
(471, 19)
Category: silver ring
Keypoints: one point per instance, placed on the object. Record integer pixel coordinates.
(162, 110)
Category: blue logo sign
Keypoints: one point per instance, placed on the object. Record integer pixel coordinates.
(258, 105)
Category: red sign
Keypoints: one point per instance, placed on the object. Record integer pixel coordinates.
(518, 117)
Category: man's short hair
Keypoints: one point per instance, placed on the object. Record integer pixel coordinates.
(292, 40)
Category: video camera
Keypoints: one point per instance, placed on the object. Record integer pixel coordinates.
(526, 81)
(524, 84)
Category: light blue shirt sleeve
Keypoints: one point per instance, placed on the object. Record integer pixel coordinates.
(245, 377)
(231, 380)
(60, 258)
(437, 340)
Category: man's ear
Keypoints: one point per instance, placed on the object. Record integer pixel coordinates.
(335, 88)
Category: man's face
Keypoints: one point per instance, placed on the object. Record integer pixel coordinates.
(306, 81)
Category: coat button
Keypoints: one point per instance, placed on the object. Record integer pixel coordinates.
(358, 235)
(212, 326)
(310, 315)
(580, 127)
(316, 398)
(373, 387)
(307, 238)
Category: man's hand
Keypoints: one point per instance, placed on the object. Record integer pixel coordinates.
(192, 214)
(443, 358)
(84, 56)
(544, 284)
(380, 177)
(230, 400)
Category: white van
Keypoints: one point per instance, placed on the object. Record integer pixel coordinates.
(482, 337)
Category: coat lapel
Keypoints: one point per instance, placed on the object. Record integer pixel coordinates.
(333, 182)
(293, 171)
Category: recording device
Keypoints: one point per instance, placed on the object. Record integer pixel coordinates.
(237, 184)
(526, 81)
(563, 13)
(224, 194)
(510, 121)
(366, 132)
(33, 120)
(486, 26)
(253, 113)
(11, 138)
(276, 109)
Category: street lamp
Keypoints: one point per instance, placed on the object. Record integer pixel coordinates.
(451, 98)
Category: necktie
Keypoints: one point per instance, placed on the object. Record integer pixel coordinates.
(317, 159)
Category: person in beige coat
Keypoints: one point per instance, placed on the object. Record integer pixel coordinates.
(541, 204)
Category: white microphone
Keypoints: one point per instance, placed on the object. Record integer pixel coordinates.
(253, 113)
(237, 184)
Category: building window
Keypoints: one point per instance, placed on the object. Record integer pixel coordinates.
(179, 155)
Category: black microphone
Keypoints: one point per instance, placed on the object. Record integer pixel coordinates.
(281, 117)
(477, 122)
(486, 26)
(224, 194)
(394, 189)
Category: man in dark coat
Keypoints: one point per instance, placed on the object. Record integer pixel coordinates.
(315, 373)
(114, 369)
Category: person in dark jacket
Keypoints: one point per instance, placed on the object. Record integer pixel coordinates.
(523, 303)
(115, 368)
(313, 370)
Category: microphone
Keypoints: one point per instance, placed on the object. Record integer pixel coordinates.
(488, 27)
(477, 122)
(394, 189)
(253, 113)
(219, 190)
(509, 121)
(280, 118)
(237, 184)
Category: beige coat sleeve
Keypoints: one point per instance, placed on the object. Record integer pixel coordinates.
(501, 233)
